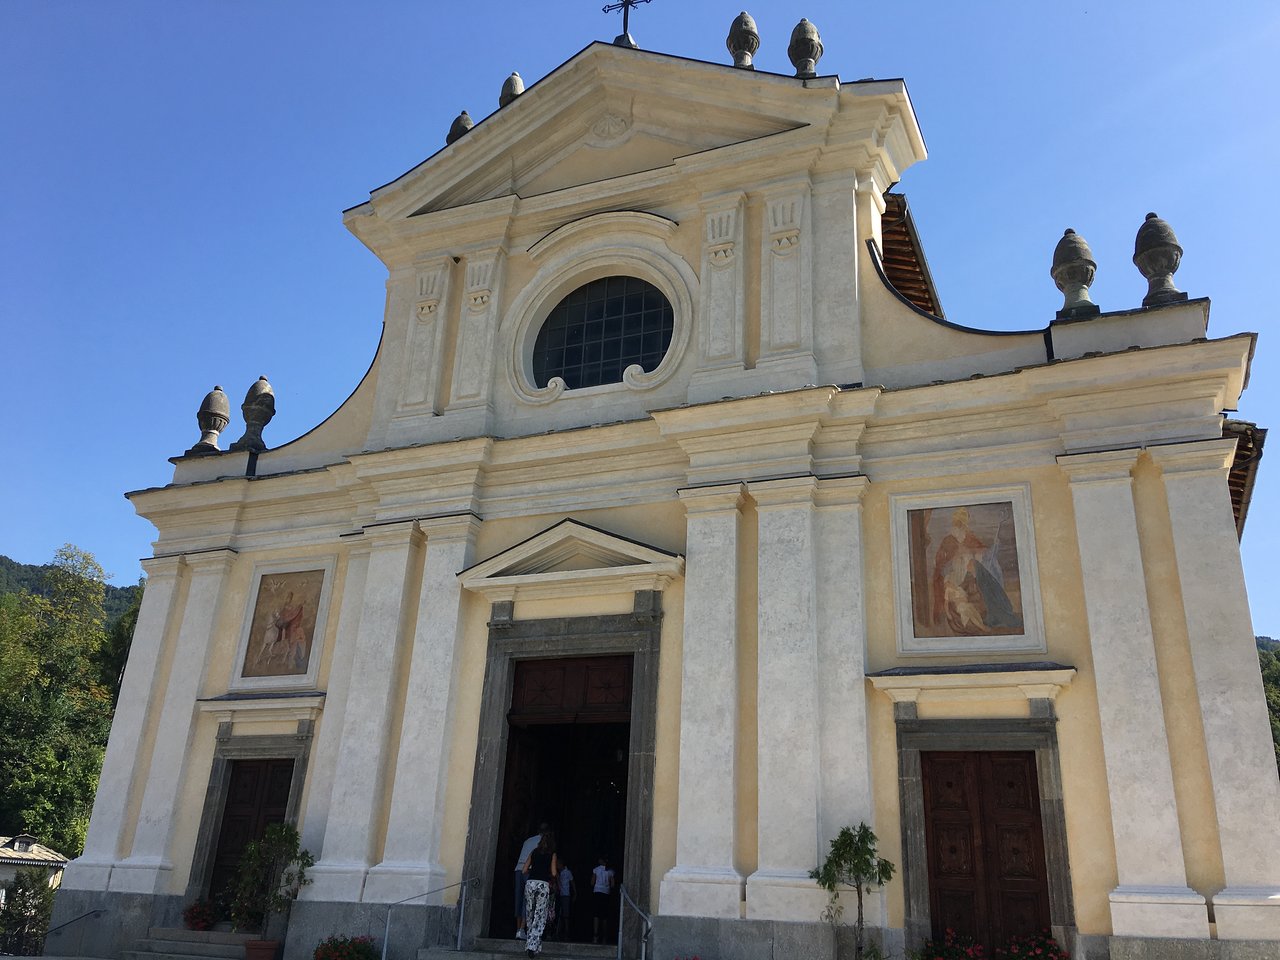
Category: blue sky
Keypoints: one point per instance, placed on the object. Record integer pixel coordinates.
(174, 174)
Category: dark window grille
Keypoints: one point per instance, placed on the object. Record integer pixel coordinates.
(600, 329)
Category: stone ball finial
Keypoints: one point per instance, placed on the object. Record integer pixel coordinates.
(512, 87)
(1156, 254)
(460, 126)
(258, 408)
(805, 49)
(743, 41)
(1072, 270)
(212, 417)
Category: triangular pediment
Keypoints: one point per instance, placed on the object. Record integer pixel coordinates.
(570, 558)
(608, 112)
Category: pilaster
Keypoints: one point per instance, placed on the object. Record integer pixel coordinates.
(477, 328)
(147, 868)
(705, 882)
(337, 695)
(1152, 898)
(361, 775)
(124, 759)
(1232, 703)
(721, 336)
(786, 285)
(845, 796)
(423, 346)
(411, 861)
(788, 704)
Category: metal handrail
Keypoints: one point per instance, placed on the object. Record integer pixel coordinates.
(622, 909)
(91, 913)
(462, 909)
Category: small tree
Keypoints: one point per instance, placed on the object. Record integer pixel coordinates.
(28, 905)
(270, 874)
(852, 862)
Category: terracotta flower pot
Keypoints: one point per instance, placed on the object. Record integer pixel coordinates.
(261, 949)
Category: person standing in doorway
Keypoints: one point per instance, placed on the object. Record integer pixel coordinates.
(568, 893)
(518, 889)
(602, 881)
(540, 872)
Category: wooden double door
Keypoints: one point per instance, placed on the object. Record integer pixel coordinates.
(257, 795)
(985, 841)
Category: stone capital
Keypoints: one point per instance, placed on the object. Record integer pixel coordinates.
(391, 533)
(721, 498)
(161, 567)
(783, 492)
(1100, 466)
(837, 492)
(216, 561)
(450, 529)
(1200, 457)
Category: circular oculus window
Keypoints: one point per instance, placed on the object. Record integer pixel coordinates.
(600, 329)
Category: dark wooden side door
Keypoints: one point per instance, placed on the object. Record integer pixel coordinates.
(987, 877)
(257, 795)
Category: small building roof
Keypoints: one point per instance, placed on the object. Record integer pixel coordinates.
(35, 854)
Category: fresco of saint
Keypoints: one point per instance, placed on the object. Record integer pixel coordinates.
(284, 621)
(964, 571)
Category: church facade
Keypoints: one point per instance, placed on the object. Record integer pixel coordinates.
(673, 513)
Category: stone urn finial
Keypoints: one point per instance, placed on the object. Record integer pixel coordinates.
(258, 408)
(512, 87)
(1073, 269)
(213, 416)
(460, 127)
(744, 41)
(1156, 254)
(805, 49)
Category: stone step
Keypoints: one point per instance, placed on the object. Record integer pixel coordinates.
(198, 936)
(493, 949)
(167, 955)
(192, 948)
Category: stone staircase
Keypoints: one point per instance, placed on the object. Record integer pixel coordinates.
(489, 949)
(165, 943)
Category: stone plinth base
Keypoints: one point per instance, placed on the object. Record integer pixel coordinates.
(715, 894)
(1163, 948)
(791, 897)
(412, 927)
(104, 923)
(760, 939)
(1247, 913)
(1174, 912)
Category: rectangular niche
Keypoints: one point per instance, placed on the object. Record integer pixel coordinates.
(283, 634)
(965, 572)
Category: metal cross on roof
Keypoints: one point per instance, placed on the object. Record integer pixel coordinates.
(624, 39)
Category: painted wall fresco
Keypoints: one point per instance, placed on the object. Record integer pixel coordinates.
(284, 624)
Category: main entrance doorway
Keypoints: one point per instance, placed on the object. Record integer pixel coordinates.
(985, 842)
(567, 764)
(257, 795)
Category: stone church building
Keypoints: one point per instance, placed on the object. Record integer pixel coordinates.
(673, 512)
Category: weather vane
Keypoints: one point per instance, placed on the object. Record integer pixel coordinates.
(624, 39)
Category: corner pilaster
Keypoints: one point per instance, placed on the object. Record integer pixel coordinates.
(705, 881)
(361, 774)
(411, 861)
(1232, 703)
(1152, 898)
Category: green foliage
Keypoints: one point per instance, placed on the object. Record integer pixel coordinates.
(31, 578)
(54, 709)
(346, 948)
(270, 873)
(852, 862)
(28, 905)
(1269, 661)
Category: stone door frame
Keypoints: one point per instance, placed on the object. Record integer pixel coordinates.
(294, 746)
(1037, 734)
(637, 633)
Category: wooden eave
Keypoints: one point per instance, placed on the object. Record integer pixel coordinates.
(1249, 439)
(902, 256)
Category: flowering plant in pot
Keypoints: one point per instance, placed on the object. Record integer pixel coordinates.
(270, 874)
(346, 948)
(200, 915)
